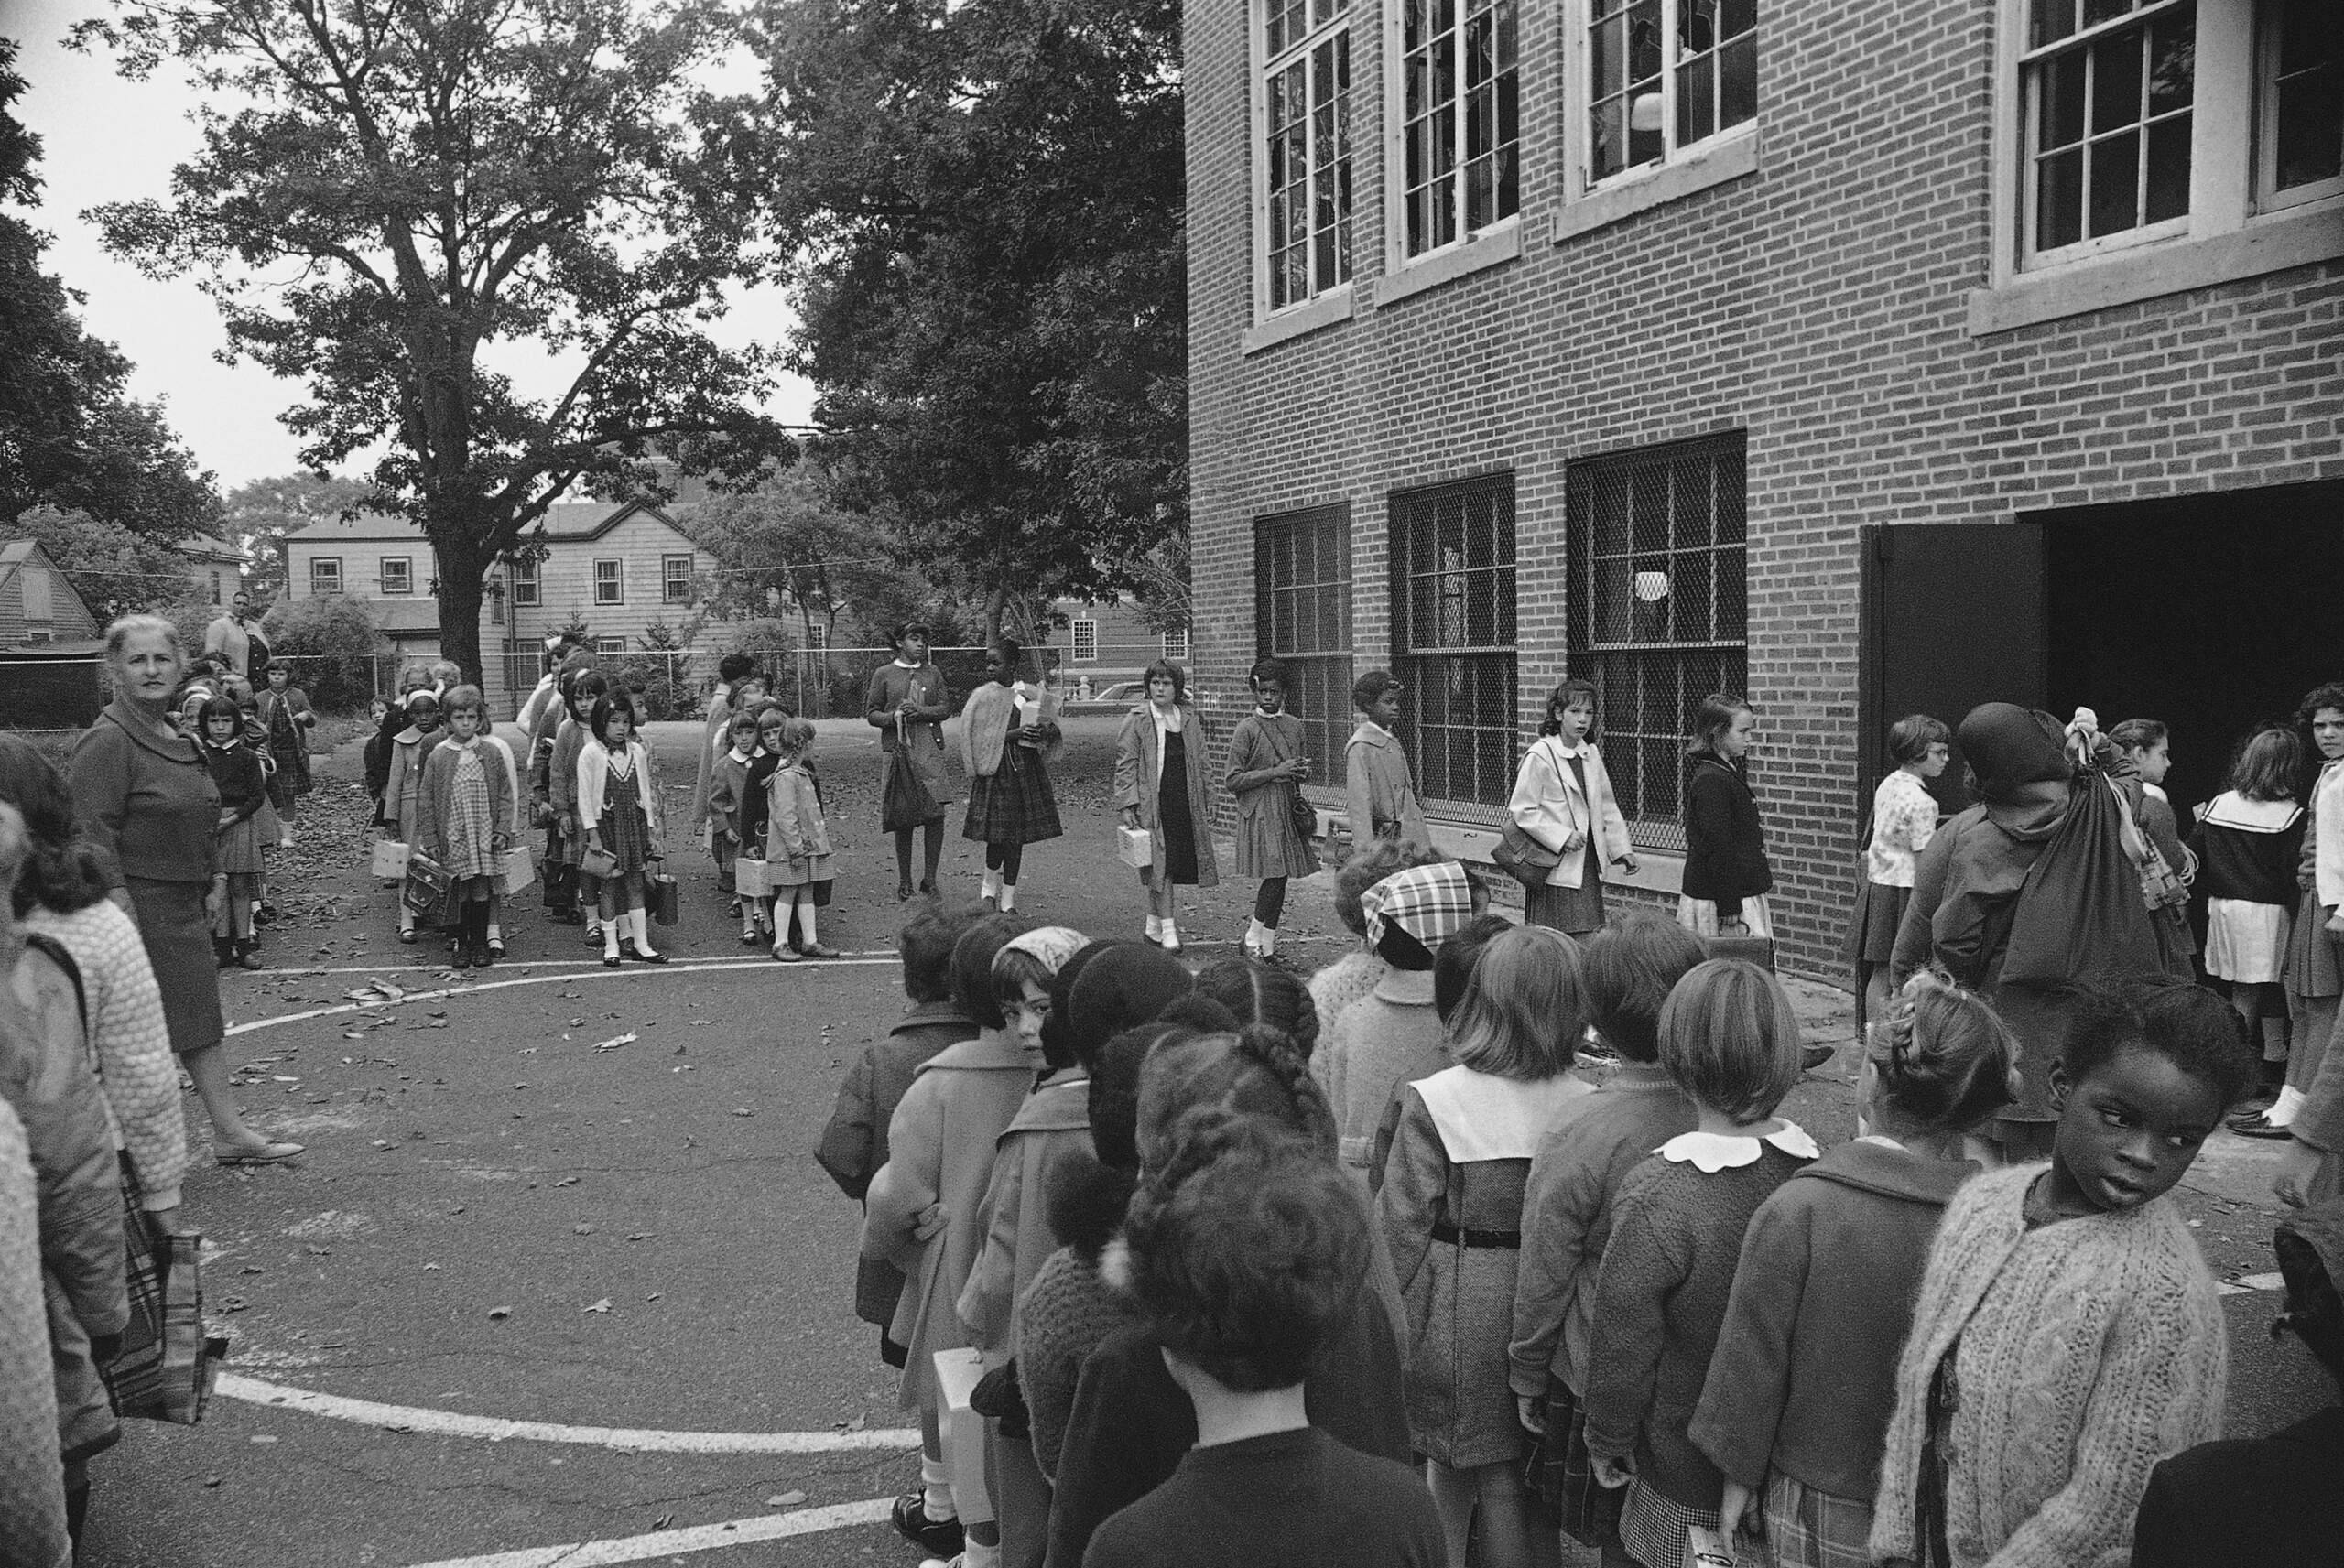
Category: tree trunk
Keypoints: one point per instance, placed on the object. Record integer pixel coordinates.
(459, 597)
(996, 603)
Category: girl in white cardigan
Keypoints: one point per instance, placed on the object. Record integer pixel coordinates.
(618, 811)
(1562, 797)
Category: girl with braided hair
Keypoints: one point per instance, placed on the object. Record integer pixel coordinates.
(1795, 1410)
(1131, 1423)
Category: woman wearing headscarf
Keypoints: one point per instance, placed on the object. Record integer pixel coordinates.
(148, 804)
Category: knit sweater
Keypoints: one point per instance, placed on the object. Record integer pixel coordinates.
(2085, 1351)
(130, 1048)
(1668, 1272)
(1065, 1314)
(1332, 991)
(32, 1484)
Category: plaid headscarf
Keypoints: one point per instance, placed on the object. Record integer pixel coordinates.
(1054, 945)
(1431, 903)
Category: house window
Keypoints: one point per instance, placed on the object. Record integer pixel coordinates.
(818, 637)
(608, 577)
(1175, 643)
(1658, 609)
(1085, 638)
(1303, 210)
(397, 574)
(1461, 116)
(1302, 618)
(1663, 77)
(610, 645)
(675, 580)
(325, 575)
(215, 587)
(2140, 121)
(1453, 640)
(525, 583)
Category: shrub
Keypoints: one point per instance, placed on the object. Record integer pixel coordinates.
(332, 644)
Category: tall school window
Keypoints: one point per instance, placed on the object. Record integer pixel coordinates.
(675, 580)
(1657, 585)
(526, 590)
(1302, 618)
(325, 575)
(608, 582)
(396, 574)
(1460, 119)
(1303, 143)
(1657, 79)
(1453, 638)
(1175, 643)
(1084, 636)
(2149, 121)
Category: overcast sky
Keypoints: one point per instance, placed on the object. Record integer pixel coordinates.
(106, 139)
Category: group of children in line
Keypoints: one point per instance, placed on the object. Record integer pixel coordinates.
(257, 748)
(1491, 1235)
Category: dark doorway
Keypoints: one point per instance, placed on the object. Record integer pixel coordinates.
(2214, 614)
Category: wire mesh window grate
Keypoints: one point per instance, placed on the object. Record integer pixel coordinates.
(1659, 609)
(1453, 641)
(1302, 617)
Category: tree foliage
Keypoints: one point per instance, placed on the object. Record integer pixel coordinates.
(788, 548)
(260, 513)
(409, 191)
(116, 570)
(334, 644)
(988, 195)
(70, 436)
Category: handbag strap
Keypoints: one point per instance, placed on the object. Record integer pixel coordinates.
(1561, 764)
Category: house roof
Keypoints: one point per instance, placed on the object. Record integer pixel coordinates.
(204, 547)
(16, 552)
(565, 522)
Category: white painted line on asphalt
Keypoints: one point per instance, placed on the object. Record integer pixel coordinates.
(643, 1440)
(271, 976)
(631, 971)
(673, 1542)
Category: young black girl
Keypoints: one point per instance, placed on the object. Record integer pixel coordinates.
(1008, 729)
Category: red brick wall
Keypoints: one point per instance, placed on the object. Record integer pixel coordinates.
(1819, 305)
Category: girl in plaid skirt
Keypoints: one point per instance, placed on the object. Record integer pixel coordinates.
(1796, 1408)
(1007, 730)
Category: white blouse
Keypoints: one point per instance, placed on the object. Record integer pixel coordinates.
(1903, 820)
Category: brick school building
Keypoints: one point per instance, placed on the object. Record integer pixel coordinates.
(1861, 356)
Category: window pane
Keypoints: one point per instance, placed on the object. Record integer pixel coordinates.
(2115, 184)
(2099, 11)
(2173, 62)
(1736, 18)
(2116, 82)
(2060, 201)
(1607, 139)
(1606, 56)
(2168, 174)
(2310, 128)
(1737, 82)
(1643, 40)
(1695, 115)
(2062, 92)
(2052, 20)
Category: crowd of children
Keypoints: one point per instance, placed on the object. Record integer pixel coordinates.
(1492, 1237)
(256, 745)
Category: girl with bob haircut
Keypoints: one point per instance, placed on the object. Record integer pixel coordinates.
(1729, 1038)
(1903, 820)
(462, 813)
(1245, 1257)
(1795, 1410)
(1267, 771)
(2250, 840)
(1379, 791)
(1162, 783)
(1451, 1209)
(1563, 799)
(618, 811)
(565, 843)
(1727, 875)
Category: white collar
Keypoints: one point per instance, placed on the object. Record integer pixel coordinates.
(738, 755)
(1581, 750)
(1715, 1152)
(901, 665)
(1884, 1139)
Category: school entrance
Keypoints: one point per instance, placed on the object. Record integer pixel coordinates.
(2214, 614)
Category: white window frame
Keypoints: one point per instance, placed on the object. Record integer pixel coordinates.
(670, 581)
(1442, 259)
(617, 580)
(818, 637)
(1681, 170)
(610, 645)
(2223, 238)
(527, 586)
(383, 565)
(1082, 640)
(318, 590)
(2267, 197)
(1330, 298)
(1175, 643)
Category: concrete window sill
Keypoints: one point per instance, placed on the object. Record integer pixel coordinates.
(1491, 247)
(1627, 196)
(2273, 244)
(1329, 307)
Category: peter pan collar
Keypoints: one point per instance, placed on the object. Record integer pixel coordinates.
(1713, 1152)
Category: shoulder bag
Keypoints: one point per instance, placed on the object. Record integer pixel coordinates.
(1522, 857)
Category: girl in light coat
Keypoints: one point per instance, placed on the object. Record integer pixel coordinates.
(1161, 785)
(1563, 799)
(798, 846)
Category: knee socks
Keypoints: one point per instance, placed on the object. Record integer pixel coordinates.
(931, 851)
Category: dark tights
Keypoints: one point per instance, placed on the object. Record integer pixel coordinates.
(1269, 900)
(1005, 858)
(934, 852)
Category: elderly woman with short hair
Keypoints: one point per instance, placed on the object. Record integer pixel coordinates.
(148, 804)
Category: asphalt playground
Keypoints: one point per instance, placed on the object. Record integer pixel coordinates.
(558, 1281)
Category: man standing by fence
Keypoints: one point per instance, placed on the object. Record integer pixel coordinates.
(235, 639)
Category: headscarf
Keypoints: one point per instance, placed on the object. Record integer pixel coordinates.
(1053, 944)
(2008, 748)
(1430, 903)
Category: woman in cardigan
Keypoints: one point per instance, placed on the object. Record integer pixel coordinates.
(1267, 770)
(152, 810)
(1727, 877)
(1007, 732)
(1562, 797)
(1160, 785)
(907, 705)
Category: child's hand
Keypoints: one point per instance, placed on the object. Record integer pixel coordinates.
(928, 1224)
(2336, 922)
(227, 819)
(2297, 1166)
(1525, 1411)
(1612, 1474)
(1631, 862)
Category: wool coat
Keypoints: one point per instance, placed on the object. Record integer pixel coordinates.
(2086, 1350)
(940, 1146)
(1804, 1379)
(409, 750)
(1379, 793)
(1139, 769)
(892, 686)
(797, 838)
(1548, 804)
(854, 1140)
(1268, 845)
(1725, 841)
(711, 746)
(1389, 1037)
(145, 798)
(1459, 1157)
(1053, 1123)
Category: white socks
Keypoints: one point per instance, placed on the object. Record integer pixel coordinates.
(1171, 935)
(805, 937)
(1008, 897)
(2283, 1109)
(936, 1491)
(638, 922)
(1155, 929)
(1261, 940)
(610, 936)
(992, 886)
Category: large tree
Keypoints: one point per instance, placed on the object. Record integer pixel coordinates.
(988, 198)
(71, 437)
(789, 542)
(395, 198)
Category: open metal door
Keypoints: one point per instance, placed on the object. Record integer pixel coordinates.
(1954, 614)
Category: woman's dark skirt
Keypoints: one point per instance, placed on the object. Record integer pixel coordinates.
(1173, 818)
(178, 937)
(1015, 804)
(1871, 929)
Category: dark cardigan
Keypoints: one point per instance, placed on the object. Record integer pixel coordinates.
(1725, 844)
(147, 801)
